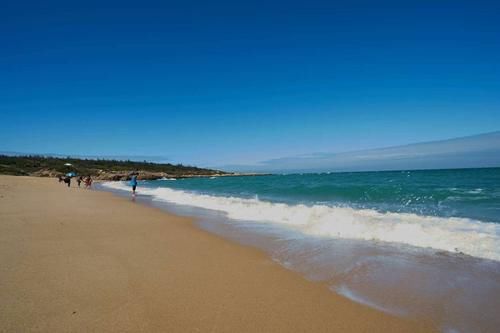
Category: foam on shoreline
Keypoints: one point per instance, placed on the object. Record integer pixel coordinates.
(467, 236)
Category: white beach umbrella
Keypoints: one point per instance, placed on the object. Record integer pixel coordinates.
(68, 164)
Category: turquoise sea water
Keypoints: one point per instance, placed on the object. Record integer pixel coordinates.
(468, 193)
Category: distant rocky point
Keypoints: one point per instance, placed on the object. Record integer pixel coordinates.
(145, 175)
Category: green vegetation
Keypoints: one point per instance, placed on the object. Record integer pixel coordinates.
(40, 165)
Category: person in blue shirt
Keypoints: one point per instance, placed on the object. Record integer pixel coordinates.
(133, 183)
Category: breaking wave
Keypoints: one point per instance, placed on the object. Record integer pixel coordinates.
(452, 234)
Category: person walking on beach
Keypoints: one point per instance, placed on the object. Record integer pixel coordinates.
(79, 180)
(133, 183)
(88, 182)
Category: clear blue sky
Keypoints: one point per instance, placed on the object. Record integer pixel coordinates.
(215, 83)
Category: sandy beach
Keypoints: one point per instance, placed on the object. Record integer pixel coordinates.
(77, 260)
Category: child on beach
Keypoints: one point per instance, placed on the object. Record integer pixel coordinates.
(88, 182)
(79, 180)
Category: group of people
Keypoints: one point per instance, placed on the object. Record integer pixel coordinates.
(87, 181)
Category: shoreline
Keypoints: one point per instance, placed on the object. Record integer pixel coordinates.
(91, 260)
(399, 279)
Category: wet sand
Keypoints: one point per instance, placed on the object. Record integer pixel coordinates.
(78, 260)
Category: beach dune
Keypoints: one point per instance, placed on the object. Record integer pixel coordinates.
(77, 260)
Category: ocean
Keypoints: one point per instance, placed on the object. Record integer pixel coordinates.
(412, 243)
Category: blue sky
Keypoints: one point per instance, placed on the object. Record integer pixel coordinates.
(217, 83)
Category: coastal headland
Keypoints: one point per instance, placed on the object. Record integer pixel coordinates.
(104, 169)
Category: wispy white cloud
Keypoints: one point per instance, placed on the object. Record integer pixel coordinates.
(474, 151)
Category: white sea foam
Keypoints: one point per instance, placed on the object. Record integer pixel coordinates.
(346, 292)
(471, 237)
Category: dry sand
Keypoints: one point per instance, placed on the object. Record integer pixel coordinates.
(76, 260)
